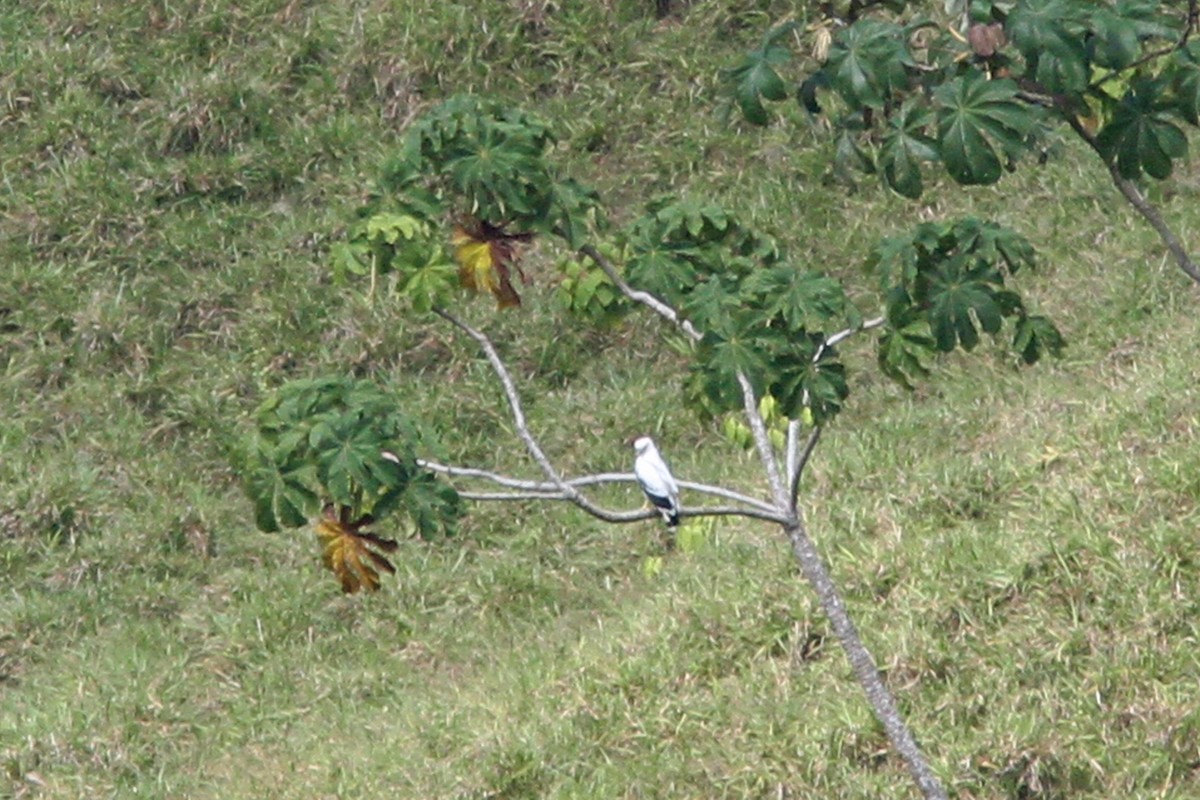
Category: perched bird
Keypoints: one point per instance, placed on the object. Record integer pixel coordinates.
(656, 480)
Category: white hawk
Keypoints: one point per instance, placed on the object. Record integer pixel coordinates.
(656, 480)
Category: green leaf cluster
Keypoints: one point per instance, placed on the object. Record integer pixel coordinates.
(471, 157)
(763, 316)
(945, 285)
(586, 291)
(392, 242)
(976, 100)
(755, 78)
(342, 443)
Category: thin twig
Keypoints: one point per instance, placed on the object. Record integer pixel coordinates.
(794, 488)
(795, 466)
(790, 453)
(628, 516)
(544, 487)
(1191, 20)
(638, 296)
(840, 336)
(762, 441)
(514, 404)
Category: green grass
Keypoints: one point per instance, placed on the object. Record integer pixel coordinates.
(1017, 546)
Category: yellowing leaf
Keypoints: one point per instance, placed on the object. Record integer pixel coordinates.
(485, 254)
(352, 556)
(475, 268)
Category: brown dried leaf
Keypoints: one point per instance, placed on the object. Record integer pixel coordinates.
(487, 256)
(352, 556)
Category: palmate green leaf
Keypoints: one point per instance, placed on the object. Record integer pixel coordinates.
(1115, 43)
(719, 360)
(587, 291)
(1036, 336)
(325, 438)
(1141, 134)
(667, 272)
(678, 243)
(975, 116)
(712, 303)
(903, 353)
(1183, 75)
(429, 286)
(827, 389)
(349, 455)
(866, 62)
(687, 221)
(904, 344)
(755, 78)
(391, 227)
(350, 258)
(849, 152)
(800, 381)
(490, 161)
(992, 243)
(280, 489)
(803, 299)
(905, 145)
(1048, 33)
(573, 206)
(894, 260)
(961, 293)
(433, 506)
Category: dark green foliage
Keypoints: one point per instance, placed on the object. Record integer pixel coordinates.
(1185, 81)
(867, 63)
(345, 443)
(755, 78)
(976, 98)
(470, 157)
(762, 316)
(1046, 32)
(947, 283)
(904, 146)
(1141, 135)
(978, 121)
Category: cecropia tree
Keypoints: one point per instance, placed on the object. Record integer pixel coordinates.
(474, 182)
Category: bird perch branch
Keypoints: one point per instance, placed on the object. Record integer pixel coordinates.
(757, 427)
(628, 516)
(558, 488)
(543, 487)
(795, 458)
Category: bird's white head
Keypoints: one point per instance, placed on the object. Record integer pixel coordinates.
(642, 444)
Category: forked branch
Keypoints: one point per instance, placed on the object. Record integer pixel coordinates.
(559, 488)
(878, 695)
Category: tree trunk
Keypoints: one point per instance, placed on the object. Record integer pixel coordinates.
(879, 696)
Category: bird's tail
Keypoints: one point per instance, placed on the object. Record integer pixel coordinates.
(672, 519)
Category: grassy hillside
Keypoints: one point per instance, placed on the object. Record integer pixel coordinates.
(1018, 546)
